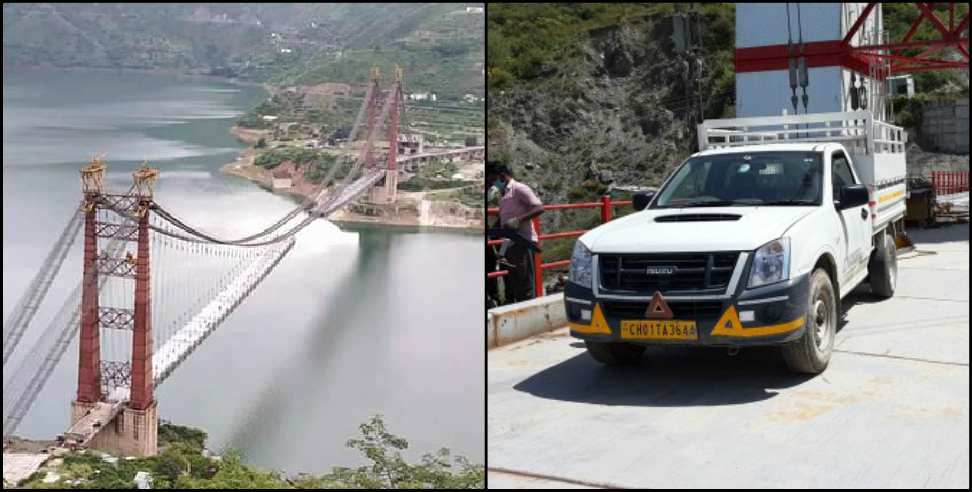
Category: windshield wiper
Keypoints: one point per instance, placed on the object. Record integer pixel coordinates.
(789, 202)
(743, 202)
(704, 203)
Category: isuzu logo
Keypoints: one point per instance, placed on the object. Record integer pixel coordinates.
(660, 270)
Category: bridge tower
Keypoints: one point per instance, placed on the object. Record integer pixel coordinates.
(133, 429)
(372, 105)
(89, 357)
(142, 407)
(386, 191)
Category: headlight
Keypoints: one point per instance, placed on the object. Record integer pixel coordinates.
(580, 265)
(771, 263)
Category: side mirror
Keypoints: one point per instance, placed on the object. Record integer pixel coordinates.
(853, 196)
(642, 199)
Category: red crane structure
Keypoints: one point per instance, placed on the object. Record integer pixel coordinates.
(840, 52)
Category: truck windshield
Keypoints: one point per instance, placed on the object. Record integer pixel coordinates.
(740, 179)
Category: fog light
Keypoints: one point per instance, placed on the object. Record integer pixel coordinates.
(747, 315)
(586, 314)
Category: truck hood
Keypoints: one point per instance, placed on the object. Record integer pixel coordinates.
(641, 233)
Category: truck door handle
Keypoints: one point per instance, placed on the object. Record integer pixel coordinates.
(864, 214)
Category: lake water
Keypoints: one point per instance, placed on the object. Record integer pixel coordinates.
(350, 324)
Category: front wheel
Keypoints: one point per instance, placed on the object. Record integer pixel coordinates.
(615, 354)
(883, 267)
(810, 354)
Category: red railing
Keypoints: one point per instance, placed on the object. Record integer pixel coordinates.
(607, 213)
(947, 182)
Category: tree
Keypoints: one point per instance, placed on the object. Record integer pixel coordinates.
(233, 474)
(183, 466)
(389, 470)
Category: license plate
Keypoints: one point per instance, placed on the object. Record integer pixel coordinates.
(658, 329)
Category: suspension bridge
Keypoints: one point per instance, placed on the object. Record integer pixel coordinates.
(139, 312)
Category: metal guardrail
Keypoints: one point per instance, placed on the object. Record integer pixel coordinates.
(607, 213)
(948, 182)
(856, 129)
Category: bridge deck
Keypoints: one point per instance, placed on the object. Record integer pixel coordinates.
(444, 153)
(370, 177)
(81, 433)
(178, 347)
(352, 191)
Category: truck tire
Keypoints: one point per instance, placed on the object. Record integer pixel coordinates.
(810, 354)
(883, 267)
(615, 354)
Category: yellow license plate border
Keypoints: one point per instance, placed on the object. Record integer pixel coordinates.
(689, 325)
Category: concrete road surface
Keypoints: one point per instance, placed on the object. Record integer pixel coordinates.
(892, 410)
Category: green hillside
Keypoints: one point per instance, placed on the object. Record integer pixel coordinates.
(441, 46)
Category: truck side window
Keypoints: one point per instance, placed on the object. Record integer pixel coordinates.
(840, 173)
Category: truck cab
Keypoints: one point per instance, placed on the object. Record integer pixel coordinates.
(753, 240)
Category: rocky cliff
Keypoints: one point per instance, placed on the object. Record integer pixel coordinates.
(618, 112)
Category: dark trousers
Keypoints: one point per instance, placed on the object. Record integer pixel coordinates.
(520, 285)
(492, 288)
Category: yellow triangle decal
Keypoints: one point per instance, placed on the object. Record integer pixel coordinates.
(729, 323)
(598, 323)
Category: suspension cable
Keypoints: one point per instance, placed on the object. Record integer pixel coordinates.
(35, 369)
(19, 320)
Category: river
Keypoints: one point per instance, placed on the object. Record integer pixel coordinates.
(351, 323)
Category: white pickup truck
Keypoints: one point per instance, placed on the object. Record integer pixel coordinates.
(753, 240)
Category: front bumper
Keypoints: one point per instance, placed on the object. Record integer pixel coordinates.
(768, 315)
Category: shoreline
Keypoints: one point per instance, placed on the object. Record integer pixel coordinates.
(243, 167)
(149, 71)
(406, 228)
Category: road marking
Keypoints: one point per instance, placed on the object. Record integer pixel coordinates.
(932, 298)
(552, 478)
(934, 269)
(913, 359)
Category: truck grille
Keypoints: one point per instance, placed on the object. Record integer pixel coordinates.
(680, 309)
(691, 273)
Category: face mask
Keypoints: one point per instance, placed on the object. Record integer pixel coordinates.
(500, 185)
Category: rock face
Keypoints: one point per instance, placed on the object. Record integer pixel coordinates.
(622, 114)
(923, 163)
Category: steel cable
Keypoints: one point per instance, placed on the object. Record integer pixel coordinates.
(37, 366)
(19, 320)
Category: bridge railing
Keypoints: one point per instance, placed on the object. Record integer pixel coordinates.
(606, 204)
